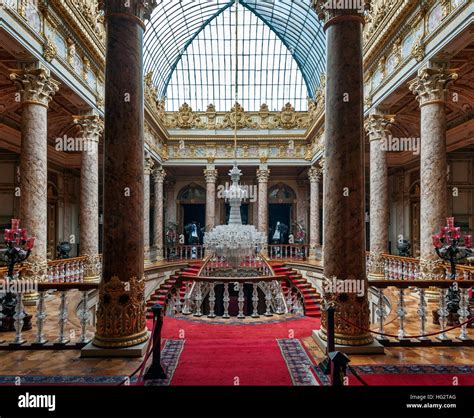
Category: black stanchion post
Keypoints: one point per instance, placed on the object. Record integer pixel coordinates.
(156, 371)
(339, 363)
(325, 365)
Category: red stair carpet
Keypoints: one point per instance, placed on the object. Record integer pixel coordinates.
(312, 299)
(234, 354)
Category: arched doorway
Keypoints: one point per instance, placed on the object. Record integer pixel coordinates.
(281, 208)
(191, 207)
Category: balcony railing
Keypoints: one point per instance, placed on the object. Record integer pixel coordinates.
(67, 270)
(408, 268)
(40, 337)
(446, 328)
(184, 252)
(288, 251)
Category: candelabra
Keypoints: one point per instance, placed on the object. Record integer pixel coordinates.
(19, 247)
(447, 246)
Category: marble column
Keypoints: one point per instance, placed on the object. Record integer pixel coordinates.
(210, 174)
(159, 177)
(36, 89)
(91, 127)
(430, 90)
(377, 129)
(148, 168)
(344, 191)
(170, 201)
(314, 175)
(263, 174)
(121, 318)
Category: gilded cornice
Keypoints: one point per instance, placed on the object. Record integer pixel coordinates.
(79, 14)
(286, 119)
(382, 21)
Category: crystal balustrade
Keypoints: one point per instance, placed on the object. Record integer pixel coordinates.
(416, 320)
(233, 297)
(288, 251)
(68, 270)
(52, 307)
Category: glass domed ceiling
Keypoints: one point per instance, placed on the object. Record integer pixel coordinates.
(190, 48)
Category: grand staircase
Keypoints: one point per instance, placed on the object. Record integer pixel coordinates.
(160, 294)
(311, 298)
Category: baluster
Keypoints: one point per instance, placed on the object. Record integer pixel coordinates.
(289, 301)
(178, 304)
(62, 319)
(401, 312)
(422, 311)
(268, 299)
(84, 317)
(18, 317)
(198, 299)
(212, 300)
(389, 269)
(405, 270)
(443, 314)
(187, 299)
(463, 312)
(380, 311)
(255, 301)
(40, 316)
(226, 300)
(240, 301)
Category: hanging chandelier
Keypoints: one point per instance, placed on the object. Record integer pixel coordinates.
(235, 242)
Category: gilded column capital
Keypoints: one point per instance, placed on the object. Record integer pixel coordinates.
(210, 174)
(159, 174)
(263, 175)
(91, 126)
(148, 166)
(141, 9)
(328, 10)
(314, 174)
(376, 126)
(430, 84)
(35, 85)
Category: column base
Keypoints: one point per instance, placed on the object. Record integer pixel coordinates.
(30, 298)
(90, 350)
(376, 276)
(121, 342)
(371, 348)
(91, 279)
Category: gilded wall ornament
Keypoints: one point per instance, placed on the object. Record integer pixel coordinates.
(49, 49)
(121, 313)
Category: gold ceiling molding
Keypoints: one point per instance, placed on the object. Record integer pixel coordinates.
(382, 21)
(286, 119)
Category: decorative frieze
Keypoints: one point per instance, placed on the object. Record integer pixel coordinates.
(286, 119)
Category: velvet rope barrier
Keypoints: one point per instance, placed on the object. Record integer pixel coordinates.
(142, 365)
(408, 336)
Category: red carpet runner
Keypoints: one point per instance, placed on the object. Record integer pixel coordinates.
(217, 354)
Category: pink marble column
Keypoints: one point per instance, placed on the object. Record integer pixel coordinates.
(377, 129)
(430, 90)
(121, 318)
(91, 127)
(263, 173)
(36, 88)
(314, 175)
(344, 191)
(159, 177)
(210, 174)
(148, 168)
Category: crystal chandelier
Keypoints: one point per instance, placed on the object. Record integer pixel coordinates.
(234, 241)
